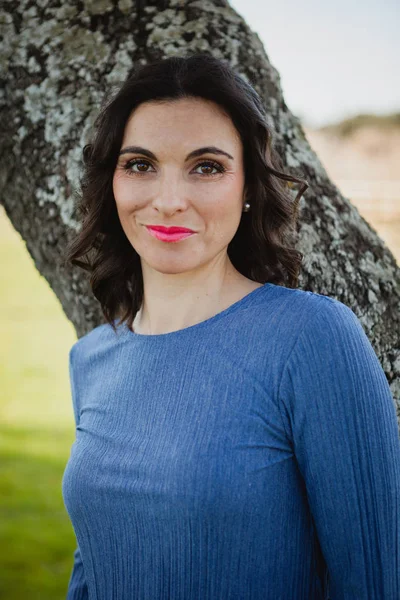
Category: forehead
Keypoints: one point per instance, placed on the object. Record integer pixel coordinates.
(190, 119)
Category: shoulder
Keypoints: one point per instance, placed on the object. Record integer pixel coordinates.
(294, 311)
(328, 332)
(298, 299)
(298, 296)
(95, 342)
(280, 323)
(327, 320)
(314, 327)
(328, 316)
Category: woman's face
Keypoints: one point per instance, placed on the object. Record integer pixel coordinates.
(169, 188)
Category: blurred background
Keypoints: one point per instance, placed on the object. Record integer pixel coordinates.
(340, 75)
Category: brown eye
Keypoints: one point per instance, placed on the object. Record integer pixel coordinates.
(210, 165)
(140, 164)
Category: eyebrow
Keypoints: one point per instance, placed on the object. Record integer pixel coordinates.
(193, 154)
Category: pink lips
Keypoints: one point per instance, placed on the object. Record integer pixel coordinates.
(170, 234)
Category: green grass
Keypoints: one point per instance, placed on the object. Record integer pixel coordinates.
(36, 535)
(37, 429)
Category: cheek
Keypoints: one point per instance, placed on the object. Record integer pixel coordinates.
(223, 218)
(124, 194)
(224, 198)
(226, 206)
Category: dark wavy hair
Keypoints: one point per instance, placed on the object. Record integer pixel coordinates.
(263, 246)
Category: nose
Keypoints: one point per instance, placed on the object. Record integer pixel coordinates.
(170, 195)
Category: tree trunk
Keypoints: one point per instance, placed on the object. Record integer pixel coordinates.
(61, 59)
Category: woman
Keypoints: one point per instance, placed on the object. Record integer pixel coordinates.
(235, 436)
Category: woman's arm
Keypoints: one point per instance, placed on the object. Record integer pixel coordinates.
(77, 587)
(339, 412)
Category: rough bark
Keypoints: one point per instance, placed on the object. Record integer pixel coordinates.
(59, 59)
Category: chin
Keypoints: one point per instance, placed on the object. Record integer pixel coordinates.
(172, 265)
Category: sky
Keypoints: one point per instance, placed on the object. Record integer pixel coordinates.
(336, 59)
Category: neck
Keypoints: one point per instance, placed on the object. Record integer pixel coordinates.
(175, 301)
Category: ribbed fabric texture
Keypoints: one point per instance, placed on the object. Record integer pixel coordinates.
(252, 456)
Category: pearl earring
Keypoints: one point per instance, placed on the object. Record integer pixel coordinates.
(246, 207)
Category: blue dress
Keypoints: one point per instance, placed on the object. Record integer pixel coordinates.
(252, 456)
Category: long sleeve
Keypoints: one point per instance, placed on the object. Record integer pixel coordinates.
(339, 413)
(77, 587)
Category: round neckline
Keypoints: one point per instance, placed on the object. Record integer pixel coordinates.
(193, 328)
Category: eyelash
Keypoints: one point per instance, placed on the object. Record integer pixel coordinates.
(130, 163)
